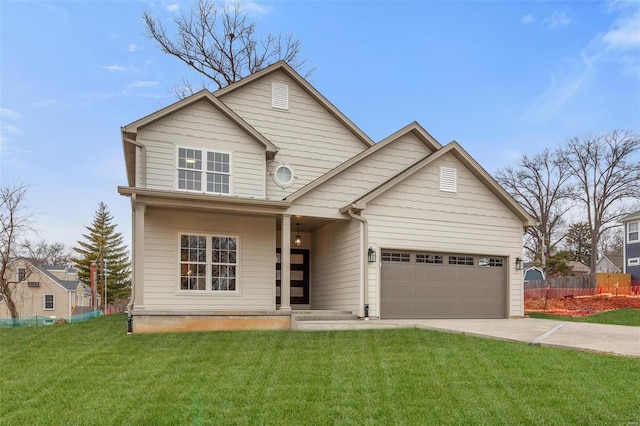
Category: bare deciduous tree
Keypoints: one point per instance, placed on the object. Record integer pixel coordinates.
(14, 223)
(607, 175)
(540, 185)
(221, 44)
(44, 252)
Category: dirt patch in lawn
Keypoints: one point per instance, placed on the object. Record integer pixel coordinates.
(579, 306)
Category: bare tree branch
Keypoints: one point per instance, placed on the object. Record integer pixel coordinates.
(607, 177)
(542, 187)
(14, 223)
(221, 44)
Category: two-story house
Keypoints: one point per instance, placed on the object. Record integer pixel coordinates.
(262, 199)
(48, 291)
(631, 251)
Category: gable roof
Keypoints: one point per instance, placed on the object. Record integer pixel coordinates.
(611, 260)
(461, 155)
(578, 267)
(130, 131)
(308, 88)
(69, 285)
(413, 128)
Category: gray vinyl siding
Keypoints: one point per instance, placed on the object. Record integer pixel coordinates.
(256, 242)
(335, 266)
(367, 173)
(415, 215)
(202, 126)
(309, 139)
(632, 250)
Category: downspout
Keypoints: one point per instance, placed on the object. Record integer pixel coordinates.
(363, 251)
(133, 281)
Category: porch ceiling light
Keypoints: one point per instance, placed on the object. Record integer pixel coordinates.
(298, 240)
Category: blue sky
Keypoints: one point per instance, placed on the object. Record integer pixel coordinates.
(501, 78)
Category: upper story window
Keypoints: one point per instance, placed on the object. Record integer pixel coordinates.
(279, 95)
(283, 175)
(204, 171)
(22, 274)
(633, 235)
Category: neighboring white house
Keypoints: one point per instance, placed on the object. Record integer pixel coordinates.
(51, 291)
(263, 199)
(609, 264)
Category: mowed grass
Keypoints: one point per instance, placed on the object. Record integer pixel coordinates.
(617, 317)
(93, 373)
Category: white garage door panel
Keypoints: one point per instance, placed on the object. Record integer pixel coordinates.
(421, 290)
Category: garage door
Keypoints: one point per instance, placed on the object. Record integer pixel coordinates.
(440, 285)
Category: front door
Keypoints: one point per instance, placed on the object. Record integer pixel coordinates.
(299, 276)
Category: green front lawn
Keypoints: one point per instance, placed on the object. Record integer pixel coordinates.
(93, 373)
(617, 317)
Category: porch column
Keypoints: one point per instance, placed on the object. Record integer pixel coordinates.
(138, 254)
(285, 263)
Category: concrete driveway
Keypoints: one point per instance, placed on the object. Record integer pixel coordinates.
(611, 339)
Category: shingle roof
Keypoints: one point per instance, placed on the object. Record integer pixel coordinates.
(69, 285)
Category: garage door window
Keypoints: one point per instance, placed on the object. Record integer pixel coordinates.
(461, 260)
(490, 262)
(396, 257)
(429, 258)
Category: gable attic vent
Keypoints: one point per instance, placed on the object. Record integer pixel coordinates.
(448, 179)
(33, 284)
(279, 95)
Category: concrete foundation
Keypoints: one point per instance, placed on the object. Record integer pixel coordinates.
(172, 322)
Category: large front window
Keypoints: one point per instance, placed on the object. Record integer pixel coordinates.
(204, 171)
(208, 263)
(633, 235)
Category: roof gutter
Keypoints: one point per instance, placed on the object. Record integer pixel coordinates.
(363, 263)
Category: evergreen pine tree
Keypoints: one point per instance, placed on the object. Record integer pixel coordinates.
(103, 245)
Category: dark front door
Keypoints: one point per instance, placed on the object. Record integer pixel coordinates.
(299, 276)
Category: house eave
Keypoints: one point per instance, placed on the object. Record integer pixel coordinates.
(203, 202)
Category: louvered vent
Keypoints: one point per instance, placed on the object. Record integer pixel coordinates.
(279, 95)
(448, 179)
(33, 284)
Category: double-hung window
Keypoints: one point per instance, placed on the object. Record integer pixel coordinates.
(49, 302)
(204, 171)
(209, 263)
(633, 233)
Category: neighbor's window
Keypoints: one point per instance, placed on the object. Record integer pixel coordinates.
(194, 165)
(635, 261)
(22, 274)
(208, 262)
(633, 235)
(460, 260)
(49, 302)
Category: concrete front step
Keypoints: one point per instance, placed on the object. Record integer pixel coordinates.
(298, 319)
